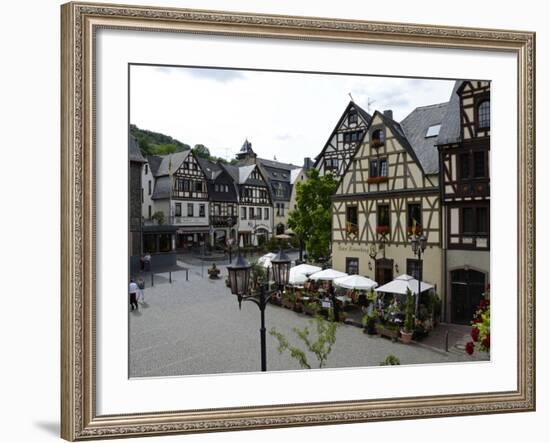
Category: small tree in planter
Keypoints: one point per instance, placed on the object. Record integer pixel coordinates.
(369, 321)
(407, 331)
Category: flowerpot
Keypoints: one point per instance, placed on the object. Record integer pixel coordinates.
(406, 337)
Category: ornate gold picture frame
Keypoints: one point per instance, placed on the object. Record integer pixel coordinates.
(80, 22)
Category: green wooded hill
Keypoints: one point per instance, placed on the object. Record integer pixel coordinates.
(155, 143)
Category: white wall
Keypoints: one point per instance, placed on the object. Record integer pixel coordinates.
(30, 285)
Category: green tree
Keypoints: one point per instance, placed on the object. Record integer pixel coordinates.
(202, 151)
(311, 220)
(320, 347)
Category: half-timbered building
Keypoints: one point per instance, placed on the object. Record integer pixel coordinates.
(255, 205)
(178, 195)
(389, 189)
(278, 177)
(344, 140)
(224, 202)
(464, 143)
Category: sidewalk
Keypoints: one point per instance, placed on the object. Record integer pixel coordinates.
(459, 335)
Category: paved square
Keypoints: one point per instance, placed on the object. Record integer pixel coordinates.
(195, 327)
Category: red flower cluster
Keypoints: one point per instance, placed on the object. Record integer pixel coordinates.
(475, 334)
(382, 230)
(470, 347)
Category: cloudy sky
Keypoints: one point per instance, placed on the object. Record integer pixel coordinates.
(285, 115)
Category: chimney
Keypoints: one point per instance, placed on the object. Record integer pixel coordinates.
(308, 163)
(388, 113)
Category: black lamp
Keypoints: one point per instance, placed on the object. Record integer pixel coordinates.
(239, 276)
(281, 268)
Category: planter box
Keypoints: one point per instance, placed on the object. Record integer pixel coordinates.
(383, 331)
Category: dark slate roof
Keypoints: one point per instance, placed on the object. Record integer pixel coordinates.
(134, 153)
(216, 174)
(415, 126)
(162, 187)
(211, 169)
(277, 164)
(154, 163)
(450, 129)
(233, 171)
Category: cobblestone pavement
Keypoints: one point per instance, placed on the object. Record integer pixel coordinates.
(195, 327)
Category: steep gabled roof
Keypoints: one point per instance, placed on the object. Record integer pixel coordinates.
(134, 153)
(210, 169)
(450, 128)
(244, 172)
(415, 127)
(170, 163)
(277, 164)
(364, 115)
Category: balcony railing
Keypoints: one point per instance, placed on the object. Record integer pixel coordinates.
(223, 220)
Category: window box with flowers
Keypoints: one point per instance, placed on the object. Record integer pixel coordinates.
(414, 230)
(352, 228)
(382, 230)
(379, 179)
(376, 143)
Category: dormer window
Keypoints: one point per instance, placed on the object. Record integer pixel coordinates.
(484, 115)
(433, 131)
(378, 138)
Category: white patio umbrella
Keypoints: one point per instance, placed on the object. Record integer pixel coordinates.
(327, 274)
(305, 269)
(296, 278)
(400, 285)
(265, 260)
(355, 282)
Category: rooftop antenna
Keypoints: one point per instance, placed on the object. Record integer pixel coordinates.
(351, 97)
(369, 103)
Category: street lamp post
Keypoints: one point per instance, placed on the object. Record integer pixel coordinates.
(239, 281)
(418, 244)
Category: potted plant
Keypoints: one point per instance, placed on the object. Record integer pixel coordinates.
(310, 307)
(214, 272)
(369, 322)
(407, 331)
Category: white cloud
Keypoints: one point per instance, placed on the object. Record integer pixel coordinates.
(289, 115)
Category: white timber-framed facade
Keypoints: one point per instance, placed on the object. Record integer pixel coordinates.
(390, 188)
(464, 146)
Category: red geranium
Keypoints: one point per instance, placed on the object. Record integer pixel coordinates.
(470, 347)
(475, 334)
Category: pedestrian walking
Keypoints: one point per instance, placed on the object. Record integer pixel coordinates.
(141, 293)
(133, 291)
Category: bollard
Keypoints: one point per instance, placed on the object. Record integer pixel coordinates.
(152, 279)
(186, 274)
(447, 341)
(170, 276)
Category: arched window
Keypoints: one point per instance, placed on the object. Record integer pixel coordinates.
(484, 114)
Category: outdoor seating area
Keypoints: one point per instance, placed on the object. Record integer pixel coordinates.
(393, 310)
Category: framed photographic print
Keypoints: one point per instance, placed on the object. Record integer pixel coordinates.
(283, 221)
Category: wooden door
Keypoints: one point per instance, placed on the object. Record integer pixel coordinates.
(467, 287)
(384, 271)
